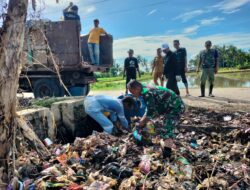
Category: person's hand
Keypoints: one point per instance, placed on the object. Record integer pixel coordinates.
(186, 69)
(216, 70)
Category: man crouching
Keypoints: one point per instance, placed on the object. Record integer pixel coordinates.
(159, 101)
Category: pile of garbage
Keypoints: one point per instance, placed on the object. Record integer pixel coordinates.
(211, 151)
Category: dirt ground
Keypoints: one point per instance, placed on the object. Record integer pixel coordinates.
(229, 99)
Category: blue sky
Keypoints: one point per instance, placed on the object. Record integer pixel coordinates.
(145, 24)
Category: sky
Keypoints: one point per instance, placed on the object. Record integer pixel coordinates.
(144, 25)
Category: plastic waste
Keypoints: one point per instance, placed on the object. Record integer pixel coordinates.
(137, 136)
(188, 171)
(193, 144)
(48, 142)
(145, 164)
(227, 118)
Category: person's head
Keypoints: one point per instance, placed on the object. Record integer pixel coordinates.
(135, 88)
(74, 9)
(96, 23)
(176, 44)
(165, 48)
(208, 44)
(130, 53)
(71, 4)
(159, 51)
(128, 102)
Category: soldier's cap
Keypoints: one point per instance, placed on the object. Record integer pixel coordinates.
(130, 51)
(208, 42)
(164, 46)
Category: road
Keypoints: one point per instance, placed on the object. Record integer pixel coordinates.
(232, 99)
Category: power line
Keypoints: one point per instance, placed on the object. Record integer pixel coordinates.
(129, 10)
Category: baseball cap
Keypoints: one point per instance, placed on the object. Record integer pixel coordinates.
(130, 51)
(165, 46)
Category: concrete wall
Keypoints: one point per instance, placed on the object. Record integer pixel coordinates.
(61, 119)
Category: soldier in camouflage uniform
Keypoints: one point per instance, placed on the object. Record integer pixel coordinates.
(208, 60)
(160, 101)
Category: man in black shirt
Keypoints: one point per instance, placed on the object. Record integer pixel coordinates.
(130, 68)
(181, 58)
(71, 13)
(170, 69)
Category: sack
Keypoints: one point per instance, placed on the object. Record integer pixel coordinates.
(178, 78)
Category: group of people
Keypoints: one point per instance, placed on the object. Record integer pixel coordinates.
(154, 101)
(173, 67)
(158, 101)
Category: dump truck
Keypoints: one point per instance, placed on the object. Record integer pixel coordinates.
(56, 60)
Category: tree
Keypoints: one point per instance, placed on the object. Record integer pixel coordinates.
(11, 46)
(10, 53)
(144, 63)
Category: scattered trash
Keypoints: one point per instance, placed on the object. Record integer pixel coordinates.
(227, 118)
(207, 153)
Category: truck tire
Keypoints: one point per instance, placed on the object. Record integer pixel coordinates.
(80, 90)
(48, 88)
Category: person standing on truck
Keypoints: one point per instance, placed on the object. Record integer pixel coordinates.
(71, 13)
(158, 68)
(94, 42)
(130, 67)
(209, 61)
(170, 69)
(181, 57)
(97, 106)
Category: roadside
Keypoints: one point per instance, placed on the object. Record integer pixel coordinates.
(230, 99)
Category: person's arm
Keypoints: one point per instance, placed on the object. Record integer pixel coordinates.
(153, 67)
(67, 8)
(104, 32)
(185, 53)
(124, 71)
(150, 109)
(216, 67)
(137, 68)
(121, 117)
(199, 64)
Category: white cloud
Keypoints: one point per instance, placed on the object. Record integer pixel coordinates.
(152, 12)
(191, 29)
(231, 6)
(206, 22)
(146, 45)
(189, 15)
(89, 9)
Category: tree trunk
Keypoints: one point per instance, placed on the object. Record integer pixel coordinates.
(11, 45)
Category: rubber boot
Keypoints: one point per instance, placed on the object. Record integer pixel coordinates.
(211, 91)
(202, 91)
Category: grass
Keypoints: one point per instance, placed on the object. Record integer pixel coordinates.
(118, 83)
(46, 102)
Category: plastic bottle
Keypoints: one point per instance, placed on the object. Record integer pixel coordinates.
(188, 171)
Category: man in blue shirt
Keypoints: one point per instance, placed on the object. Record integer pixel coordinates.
(95, 106)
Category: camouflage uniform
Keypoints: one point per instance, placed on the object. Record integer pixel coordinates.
(208, 60)
(161, 101)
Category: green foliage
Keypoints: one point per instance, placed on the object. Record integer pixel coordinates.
(229, 57)
(46, 102)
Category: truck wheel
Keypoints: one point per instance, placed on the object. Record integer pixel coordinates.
(79, 90)
(48, 88)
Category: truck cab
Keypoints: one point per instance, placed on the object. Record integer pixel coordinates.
(56, 59)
